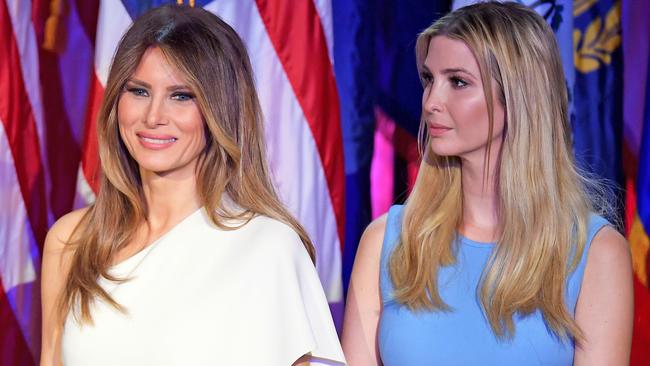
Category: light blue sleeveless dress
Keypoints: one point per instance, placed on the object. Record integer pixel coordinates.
(463, 336)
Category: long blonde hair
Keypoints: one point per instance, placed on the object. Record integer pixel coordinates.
(215, 62)
(543, 200)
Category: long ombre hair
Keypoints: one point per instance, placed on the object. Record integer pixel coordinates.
(233, 164)
(544, 202)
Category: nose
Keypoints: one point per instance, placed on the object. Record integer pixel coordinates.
(156, 114)
(432, 98)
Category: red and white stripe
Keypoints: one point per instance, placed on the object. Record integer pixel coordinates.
(23, 177)
(290, 46)
(112, 22)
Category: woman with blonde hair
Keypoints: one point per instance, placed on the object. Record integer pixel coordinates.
(498, 256)
(187, 256)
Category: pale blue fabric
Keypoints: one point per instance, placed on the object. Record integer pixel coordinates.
(463, 336)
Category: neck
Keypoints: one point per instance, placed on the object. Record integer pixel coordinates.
(169, 198)
(480, 220)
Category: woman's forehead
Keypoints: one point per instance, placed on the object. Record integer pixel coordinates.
(155, 67)
(445, 53)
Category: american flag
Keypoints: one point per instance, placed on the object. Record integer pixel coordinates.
(54, 61)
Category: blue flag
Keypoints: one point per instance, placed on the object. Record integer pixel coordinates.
(597, 120)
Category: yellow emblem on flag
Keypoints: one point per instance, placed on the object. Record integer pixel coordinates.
(640, 246)
(598, 43)
(580, 6)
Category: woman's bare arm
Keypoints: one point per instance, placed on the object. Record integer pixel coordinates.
(56, 263)
(363, 306)
(302, 361)
(604, 311)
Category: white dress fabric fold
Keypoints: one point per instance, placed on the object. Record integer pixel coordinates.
(205, 296)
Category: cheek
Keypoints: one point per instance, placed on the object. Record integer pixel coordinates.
(126, 112)
(127, 117)
(425, 95)
(470, 114)
(122, 118)
(198, 133)
(499, 119)
(193, 126)
(127, 138)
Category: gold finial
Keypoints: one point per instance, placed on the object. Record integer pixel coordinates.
(55, 36)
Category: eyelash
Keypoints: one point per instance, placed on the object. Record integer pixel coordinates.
(456, 81)
(426, 78)
(182, 97)
(178, 96)
(139, 92)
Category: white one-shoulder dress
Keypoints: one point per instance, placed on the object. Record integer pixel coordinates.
(204, 296)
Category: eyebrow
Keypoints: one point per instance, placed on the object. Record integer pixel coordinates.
(148, 86)
(453, 70)
(457, 70)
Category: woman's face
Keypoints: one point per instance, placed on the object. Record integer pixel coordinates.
(159, 119)
(453, 103)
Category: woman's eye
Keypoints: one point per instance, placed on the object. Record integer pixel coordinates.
(139, 92)
(426, 78)
(458, 82)
(182, 96)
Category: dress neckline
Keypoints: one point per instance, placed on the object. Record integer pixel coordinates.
(139, 256)
(473, 243)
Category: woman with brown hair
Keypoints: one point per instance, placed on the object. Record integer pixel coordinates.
(498, 256)
(187, 257)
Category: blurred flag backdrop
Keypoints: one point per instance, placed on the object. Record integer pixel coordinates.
(341, 99)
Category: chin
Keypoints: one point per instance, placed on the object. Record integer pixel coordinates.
(445, 151)
(165, 168)
(159, 170)
(155, 166)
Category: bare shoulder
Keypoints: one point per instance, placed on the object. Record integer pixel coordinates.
(377, 226)
(368, 254)
(59, 234)
(373, 236)
(609, 249)
(363, 306)
(55, 266)
(605, 307)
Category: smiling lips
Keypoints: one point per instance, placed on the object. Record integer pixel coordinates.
(436, 130)
(156, 142)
